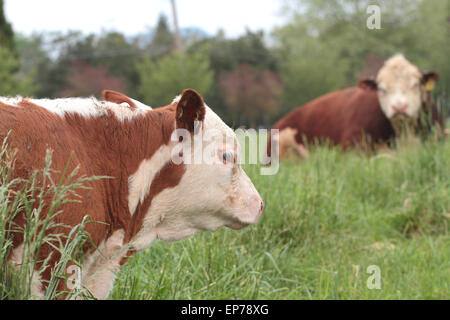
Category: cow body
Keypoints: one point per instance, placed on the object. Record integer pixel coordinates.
(147, 196)
(342, 118)
(365, 115)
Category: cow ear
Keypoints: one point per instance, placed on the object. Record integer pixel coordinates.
(429, 80)
(190, 108)
(368, 84)
(116, 97)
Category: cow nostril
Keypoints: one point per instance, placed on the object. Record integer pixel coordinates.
(261, 209)
(400, 108)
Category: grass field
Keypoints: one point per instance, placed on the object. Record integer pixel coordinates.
(326, 220)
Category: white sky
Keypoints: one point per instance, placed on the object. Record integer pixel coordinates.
(134, 16)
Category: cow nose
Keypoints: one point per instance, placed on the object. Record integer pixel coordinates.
(400, 107)
(255, 205)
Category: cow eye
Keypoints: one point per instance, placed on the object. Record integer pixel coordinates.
(228, 156)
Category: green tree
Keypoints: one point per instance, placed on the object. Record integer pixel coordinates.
(308, 67)
(54, 52)
(10, 83)
(111, 50)
(162, 80)
(251, 49)
(6, 31)
(163, 39)
(119, 56)
(52, 56)
(326, 44)
(253, 94)
(34, 60)
(225, 56)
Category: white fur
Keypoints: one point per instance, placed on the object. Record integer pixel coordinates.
(100, 267)
(87, 107)
(12, 101)
(139, 183)
(176, 99)
(140, 105)
(286, 141)
(16, 255)
(399, 85)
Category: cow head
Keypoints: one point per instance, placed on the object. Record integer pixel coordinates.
(402, 90)
(214, 190)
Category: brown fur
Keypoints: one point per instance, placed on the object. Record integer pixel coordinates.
(347, 118)
(341, 118)
(117, 97)
(188, 110)
(101, 146)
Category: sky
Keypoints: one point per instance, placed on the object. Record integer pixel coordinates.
(135, 16)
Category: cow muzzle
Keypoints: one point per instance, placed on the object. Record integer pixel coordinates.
(252, 213)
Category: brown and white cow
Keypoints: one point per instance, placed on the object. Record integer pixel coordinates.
(399, 101)
(149, 196)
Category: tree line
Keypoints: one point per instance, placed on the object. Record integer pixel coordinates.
(249, 81)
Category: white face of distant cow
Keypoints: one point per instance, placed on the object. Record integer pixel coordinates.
(401, 89)
(214, 191)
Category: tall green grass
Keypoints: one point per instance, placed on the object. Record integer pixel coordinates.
(27, 198)
(326, 220)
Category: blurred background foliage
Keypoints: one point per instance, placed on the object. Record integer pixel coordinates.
(251, 80)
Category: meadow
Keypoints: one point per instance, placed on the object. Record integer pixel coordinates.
(327, 219)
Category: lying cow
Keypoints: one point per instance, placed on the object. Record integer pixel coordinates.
(149, 196)
(375, 112)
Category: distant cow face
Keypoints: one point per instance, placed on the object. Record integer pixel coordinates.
(401, 89)
(214, 191)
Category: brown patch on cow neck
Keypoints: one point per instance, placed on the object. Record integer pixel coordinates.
(168, 177)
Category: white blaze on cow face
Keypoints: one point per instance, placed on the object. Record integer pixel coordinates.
(214, 191)
(400, 89)
(101, 266)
